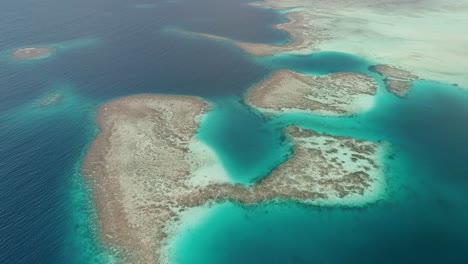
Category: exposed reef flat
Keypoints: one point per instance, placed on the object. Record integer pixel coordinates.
(46, 50)
(329, 166)
(302, 39)
(141, 166)
(31, 53)
(332, 94)
(397, 81)
(387, 31)
(138, 168)
(393, 72)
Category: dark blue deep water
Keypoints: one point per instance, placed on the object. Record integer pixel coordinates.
(107, 49)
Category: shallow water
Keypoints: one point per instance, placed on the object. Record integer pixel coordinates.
(109, 49)
(248, 147)
(422, 218)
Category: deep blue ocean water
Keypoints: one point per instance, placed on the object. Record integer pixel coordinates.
(107, 49)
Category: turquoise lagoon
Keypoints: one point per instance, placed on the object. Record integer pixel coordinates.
(46, 211)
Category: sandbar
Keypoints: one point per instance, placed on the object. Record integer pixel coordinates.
(31, 53)
(142, 163)
(333, 94)
(138, 167)
(301, 39)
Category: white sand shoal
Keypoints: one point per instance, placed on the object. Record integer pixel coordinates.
(206, 168)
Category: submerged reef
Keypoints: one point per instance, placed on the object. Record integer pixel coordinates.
(397, 81)
(143, 163)
(31, 53)
(332, 94)
(51, 99)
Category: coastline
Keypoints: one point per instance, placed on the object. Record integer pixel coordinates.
(233, 206)
(109, 194)
(206, 167)
(143, 229)
(141, 167)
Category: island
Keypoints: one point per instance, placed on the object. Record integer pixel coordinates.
(31, 53)
(144, 169)
(397, 80)
(333, 94)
